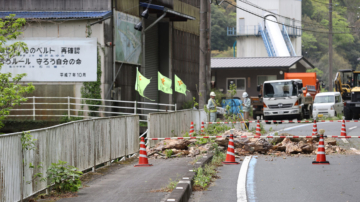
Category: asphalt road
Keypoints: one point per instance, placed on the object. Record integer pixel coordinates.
(130, 184)
(294, 178)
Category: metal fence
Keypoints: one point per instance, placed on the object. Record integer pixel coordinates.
(174, 123)
(83, 144)
(78, 107)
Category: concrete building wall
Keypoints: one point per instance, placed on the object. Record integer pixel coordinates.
(73, 29)
(252, 46)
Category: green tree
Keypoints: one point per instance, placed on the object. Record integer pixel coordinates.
(12, 93)
(222, 16)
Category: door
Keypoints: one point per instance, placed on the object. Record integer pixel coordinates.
(338, 106)
(242, 26)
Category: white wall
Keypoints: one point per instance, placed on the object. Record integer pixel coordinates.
(70, 28)
(248, 46)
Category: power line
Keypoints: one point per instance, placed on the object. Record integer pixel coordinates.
(302, 29)
(299, 21)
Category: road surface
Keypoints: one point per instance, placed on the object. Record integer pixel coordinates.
(283, 179)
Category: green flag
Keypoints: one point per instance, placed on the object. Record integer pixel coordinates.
(180, 86)
(164, 84)
(141, 83)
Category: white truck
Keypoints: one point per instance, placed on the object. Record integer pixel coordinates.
(284, 99)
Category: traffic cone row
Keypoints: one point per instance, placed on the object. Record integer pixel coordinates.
(230, 154)
(314, 133)
(258, 130)
(320, 157)
(191, 129)
(143, 160)
(343, 129)
(202, 128)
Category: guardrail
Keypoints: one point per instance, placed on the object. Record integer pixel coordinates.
(83, 144)
(68, 106)
(254, 30)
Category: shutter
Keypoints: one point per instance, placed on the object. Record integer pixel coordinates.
(151, 61)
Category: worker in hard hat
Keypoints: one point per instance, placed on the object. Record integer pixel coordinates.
(212, 107)
(246, 107)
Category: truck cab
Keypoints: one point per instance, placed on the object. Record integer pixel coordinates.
(284, 99)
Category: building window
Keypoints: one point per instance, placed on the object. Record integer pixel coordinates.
(239, 82)
(262, 78)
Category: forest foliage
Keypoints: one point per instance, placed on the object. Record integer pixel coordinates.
(315, 17)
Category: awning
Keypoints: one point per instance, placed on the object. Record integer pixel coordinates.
(259, 62)
(171, 14)
(57, 14)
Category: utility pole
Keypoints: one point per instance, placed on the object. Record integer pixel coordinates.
(202, 55)
(330, 47)
(208, 48)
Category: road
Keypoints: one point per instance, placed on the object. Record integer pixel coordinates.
(292, 178)
(132, 184)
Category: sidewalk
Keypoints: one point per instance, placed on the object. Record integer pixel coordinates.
(132, 184)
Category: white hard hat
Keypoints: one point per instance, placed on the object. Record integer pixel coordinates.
(308, 94)
(212, 94)
(245, 95)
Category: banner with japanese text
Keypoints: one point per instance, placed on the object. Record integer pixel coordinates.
(55, 59)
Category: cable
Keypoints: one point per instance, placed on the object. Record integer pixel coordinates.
(281, 23)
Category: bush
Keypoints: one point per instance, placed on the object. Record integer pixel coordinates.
(169, 153)
(65, 177)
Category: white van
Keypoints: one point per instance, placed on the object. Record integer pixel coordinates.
(328, 104)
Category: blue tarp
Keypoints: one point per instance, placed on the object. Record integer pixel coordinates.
(234, 105)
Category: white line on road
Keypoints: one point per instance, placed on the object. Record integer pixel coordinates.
(355, 150)
(241, 184)
(352, 127)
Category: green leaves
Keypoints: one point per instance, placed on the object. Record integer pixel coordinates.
(27, 141)
(65, 177)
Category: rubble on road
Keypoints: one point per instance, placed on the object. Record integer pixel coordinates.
(244, 146)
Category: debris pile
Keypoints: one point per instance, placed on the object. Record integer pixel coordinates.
(243, 146)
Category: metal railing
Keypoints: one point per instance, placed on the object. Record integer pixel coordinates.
(254, 30)
(78, 107)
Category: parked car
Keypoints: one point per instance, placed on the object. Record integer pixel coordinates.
(328, 104)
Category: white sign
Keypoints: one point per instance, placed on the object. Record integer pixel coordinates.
(55, 59)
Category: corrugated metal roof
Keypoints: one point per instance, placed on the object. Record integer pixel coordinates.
(55, 14)
(255, 62)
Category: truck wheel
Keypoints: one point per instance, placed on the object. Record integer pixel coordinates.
(301, 116)
(347, 114)
(254, 115)
(266, 118)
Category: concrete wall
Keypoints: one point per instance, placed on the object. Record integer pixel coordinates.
(251, 46)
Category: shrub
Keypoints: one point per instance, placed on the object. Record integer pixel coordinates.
(65, 177)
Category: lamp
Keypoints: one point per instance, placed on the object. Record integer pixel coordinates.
(281, 72)
(145, 14)
(138, 26)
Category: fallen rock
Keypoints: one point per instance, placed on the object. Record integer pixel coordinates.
(330, 141)
(172, 144)
(193, 152)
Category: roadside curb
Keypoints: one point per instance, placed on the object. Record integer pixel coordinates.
(183, 189)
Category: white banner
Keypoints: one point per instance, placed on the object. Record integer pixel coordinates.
(55, 59)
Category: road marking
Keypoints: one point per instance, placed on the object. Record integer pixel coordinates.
(355, 150)
(352, 127)
(241, 184)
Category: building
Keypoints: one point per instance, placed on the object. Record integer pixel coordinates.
(268, 41)
(249, 26)
(170, 45)
(249, 72)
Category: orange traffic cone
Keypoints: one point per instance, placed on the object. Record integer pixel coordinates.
(258, 130)
(343, 129)
(191, 129)
(143, 160)
(230, 156)
(320, 157)
(202, 128)
(314, 133)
